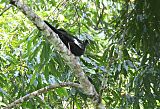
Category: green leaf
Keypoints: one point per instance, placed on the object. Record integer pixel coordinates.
(62, 92)
(32, 80)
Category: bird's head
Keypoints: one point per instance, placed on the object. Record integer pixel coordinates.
(85, 43)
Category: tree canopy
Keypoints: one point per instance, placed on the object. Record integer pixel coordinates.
(122, 60)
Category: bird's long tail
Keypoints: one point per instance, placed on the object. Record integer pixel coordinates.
(53, 28)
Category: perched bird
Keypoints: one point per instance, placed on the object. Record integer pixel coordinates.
(76, 46)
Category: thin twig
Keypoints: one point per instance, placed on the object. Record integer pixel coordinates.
(5, 9)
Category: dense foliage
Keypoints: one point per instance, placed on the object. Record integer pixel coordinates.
(122, 58)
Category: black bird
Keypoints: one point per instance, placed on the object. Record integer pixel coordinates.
(76, 46)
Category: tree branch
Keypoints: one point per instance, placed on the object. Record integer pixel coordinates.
(40, 91)
(5, 9)
(70, 59)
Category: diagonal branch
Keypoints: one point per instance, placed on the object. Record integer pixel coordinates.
(69, 58)
(40, 91)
